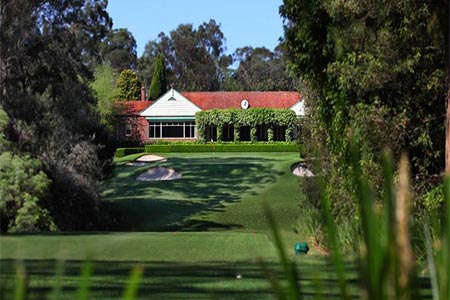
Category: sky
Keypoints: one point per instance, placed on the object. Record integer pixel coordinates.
(255, 23)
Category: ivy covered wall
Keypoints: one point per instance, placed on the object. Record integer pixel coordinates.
(253, 117)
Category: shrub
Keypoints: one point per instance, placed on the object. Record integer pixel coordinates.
(221, 147)
(23, 185)
(120, 152)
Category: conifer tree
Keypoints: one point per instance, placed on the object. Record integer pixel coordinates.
(158, 85)
(128, 85)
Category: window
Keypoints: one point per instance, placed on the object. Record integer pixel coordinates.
(228, 133)
(261, 132)
(279, 133)
(155, 130)
(127, 129)
(172, 130)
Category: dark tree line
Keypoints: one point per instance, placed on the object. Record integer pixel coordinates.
(62, 68)
(195, 60)
(48, 51)
(375, 72)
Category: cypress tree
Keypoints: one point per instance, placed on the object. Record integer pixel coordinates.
(158, 84)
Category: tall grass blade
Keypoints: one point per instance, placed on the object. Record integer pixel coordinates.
(332, 238)
(318, 289)
(132, 287)
(274, 283)
(293, 291)
(404, 255)
(445, 275)
(57, 286)
(21, 283)
(430, 262)
(372, 255)
(86, 273)
(388, 228)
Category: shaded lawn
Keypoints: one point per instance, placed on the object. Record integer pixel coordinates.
(226, 192)
(215, 194)
(221, 192)
(178, 265)
(174, 280)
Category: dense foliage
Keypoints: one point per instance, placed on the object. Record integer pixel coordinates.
(260, 69)
(159, 83)
(250, 117)
(49, 49)
(119, 49)
(196, 61)
(375, 71)
(105, 88)
(23, 184)
(194, 58)
(128, 85)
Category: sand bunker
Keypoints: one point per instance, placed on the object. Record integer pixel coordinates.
(301, 170)
(150, 158)
(159, 174)
(137, 163)
(145, 159)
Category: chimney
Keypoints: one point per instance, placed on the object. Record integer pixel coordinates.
(143, 92)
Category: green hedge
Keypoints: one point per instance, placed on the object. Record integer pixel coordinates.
(120, 152)
(222, 147)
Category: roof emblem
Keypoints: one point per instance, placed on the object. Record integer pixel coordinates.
(244, 104)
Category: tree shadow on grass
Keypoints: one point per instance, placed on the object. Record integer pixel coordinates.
(207, 185)
(174, 280)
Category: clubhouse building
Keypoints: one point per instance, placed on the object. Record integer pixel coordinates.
(175, 116)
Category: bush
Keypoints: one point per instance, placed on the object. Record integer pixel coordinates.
(23, 185)
(120, 152)
(221, 147)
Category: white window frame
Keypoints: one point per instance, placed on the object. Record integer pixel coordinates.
(128, 129)
(158, 125)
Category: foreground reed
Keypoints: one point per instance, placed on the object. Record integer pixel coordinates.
(386, 260)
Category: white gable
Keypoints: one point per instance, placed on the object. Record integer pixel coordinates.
(171, 104)
(299, 108)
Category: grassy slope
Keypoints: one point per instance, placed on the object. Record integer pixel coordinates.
(215, 194)
(144, 246)
(221, 192)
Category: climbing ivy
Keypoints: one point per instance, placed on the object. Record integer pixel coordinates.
(251, 117)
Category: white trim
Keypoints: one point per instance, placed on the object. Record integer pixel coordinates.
(299, 108)
(166, 106)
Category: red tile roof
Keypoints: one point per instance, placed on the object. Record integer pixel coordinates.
(212, 100)
(133, 107)
(221, 100)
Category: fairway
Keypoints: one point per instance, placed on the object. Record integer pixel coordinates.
(217, 191)
(151, 246)
(197, 232)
